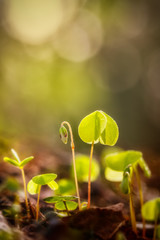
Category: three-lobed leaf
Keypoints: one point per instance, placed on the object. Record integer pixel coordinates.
(44, 179)
(91, 127)
(82, 165)
(98, 126)
(111, 132)
(56, 199)
(151, 210)
(70, 205)
(119, 161)
(32, 187)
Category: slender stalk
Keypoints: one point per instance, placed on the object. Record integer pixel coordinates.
(141, 199)
(74, 162)
(25, 192)
(89, 175)
(66, 207)
(155, 226)
(132, 212)
(37, 208)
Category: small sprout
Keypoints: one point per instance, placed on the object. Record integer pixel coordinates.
(35, 184)
(64, 136)
(63, 203)
(66, 187)
(97, 127)
(151, 212)
(82, 165)
(20, 164)
(127, 162)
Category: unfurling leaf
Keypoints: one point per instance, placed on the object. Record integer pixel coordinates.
(63, 134)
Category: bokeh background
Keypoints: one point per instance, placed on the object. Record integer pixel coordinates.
(63, 59)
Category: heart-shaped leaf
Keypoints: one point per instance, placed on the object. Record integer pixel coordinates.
(70, 205)
(32, 187)
(44, 179)
(151, 210)
(91, 127)
(53, 185)
(119, 161)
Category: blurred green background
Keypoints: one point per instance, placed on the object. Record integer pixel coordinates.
(63, 59)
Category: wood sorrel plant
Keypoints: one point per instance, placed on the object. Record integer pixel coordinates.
(35, 184)
(64, 137)
(20, 164)
(63, 203)
(97, 127)
(124, 164)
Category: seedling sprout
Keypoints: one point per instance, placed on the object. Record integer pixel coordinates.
(20, 164)
(126, 162)
(35, 184)
(97, 127)
(64, 137)
(151, 212)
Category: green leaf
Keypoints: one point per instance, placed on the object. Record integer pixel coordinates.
(151, 209)
(113, 176)
(82, 166)
(119, 161)
(44, 179)
(32, 187)
(25, 161)
(63, 134)
(111, 132)
(91, 127)
(11, 161)
(66, 187)
(15, 155)
(53, 185)
(145, 167)
(56, 199)
(70, 205)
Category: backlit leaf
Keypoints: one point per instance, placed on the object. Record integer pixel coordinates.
(111, 132)
(56, 199)
(151, 209)
(32, 187)
(113, 176)
(82, 166)
(63, 134)
(53, 185)
(66, 187)
(144, 167)
(119, 161)
(91, 127)
(15, 155)
(44, 179)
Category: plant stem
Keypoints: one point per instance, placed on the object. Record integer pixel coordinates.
(132, 213)
(37, 208)
(74, 162)
(66, 207)
(89, 175)
(155, 226)
(141, 199)
(25, 192)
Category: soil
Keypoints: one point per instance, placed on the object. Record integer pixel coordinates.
(106, 219)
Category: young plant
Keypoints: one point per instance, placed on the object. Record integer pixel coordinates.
(151, 212)
(97, 127)
(64, 137)
(20, 164)
(120, 167)
(63, 203)
(35, 184)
